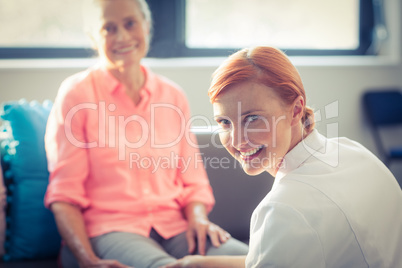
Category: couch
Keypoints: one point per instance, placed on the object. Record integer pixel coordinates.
(31, 237)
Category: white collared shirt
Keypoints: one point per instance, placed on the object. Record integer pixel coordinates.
(333, 204)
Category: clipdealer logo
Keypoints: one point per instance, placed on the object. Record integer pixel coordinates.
(112, 124)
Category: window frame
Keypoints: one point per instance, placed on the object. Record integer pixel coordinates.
(168, 38)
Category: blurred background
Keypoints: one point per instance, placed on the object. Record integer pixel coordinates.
(341, 48)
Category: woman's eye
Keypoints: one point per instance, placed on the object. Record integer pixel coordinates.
(109, 29)
(251, 118)
(130, 24)
(224, 123)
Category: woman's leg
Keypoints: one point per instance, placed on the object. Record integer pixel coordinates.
(130, 249)
(177, 247)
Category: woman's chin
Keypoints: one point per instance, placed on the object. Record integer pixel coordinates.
(250, 170)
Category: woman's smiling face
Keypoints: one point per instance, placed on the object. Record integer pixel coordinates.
(121, 34)
(256, 126)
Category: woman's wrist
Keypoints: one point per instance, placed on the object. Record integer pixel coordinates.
(196, 211)
(88, 260)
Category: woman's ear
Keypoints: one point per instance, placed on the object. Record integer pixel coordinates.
(297, 110)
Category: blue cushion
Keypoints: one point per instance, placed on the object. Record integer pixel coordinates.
(31, 230)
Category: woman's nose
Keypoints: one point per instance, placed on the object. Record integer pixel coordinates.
(122, 34)
(238, 137)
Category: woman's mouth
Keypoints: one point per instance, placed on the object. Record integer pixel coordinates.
(124, 50)
(251, 154)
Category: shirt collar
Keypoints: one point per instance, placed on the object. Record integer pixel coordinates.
(313, 144)
(110, 83)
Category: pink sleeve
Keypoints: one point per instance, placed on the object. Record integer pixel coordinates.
(67, 158)
(192, 171)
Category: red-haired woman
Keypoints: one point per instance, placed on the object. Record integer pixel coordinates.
(333, 203)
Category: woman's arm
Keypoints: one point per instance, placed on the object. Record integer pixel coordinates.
(71, 227)
(209, 262)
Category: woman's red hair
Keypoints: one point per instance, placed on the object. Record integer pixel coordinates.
(268, 66)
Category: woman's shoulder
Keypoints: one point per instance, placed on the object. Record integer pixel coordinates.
(349, 150)
(165, 85)
(77, 85)
(75, 88)
(164, 81)
(77, 80)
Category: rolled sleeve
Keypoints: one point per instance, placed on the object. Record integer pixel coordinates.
(65, 150)
(194, 177)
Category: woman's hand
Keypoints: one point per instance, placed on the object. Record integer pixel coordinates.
(199, 227)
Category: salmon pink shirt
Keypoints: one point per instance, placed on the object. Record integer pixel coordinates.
(128, 167)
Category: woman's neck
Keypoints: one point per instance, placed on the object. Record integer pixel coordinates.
(298, 134)
(133, 79)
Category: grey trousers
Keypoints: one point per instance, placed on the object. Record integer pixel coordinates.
(147, 252)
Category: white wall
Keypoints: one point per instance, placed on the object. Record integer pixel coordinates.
(326, 80)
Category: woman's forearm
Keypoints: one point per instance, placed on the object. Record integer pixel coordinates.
(197, 261)
(224, 261)
(70, 224)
